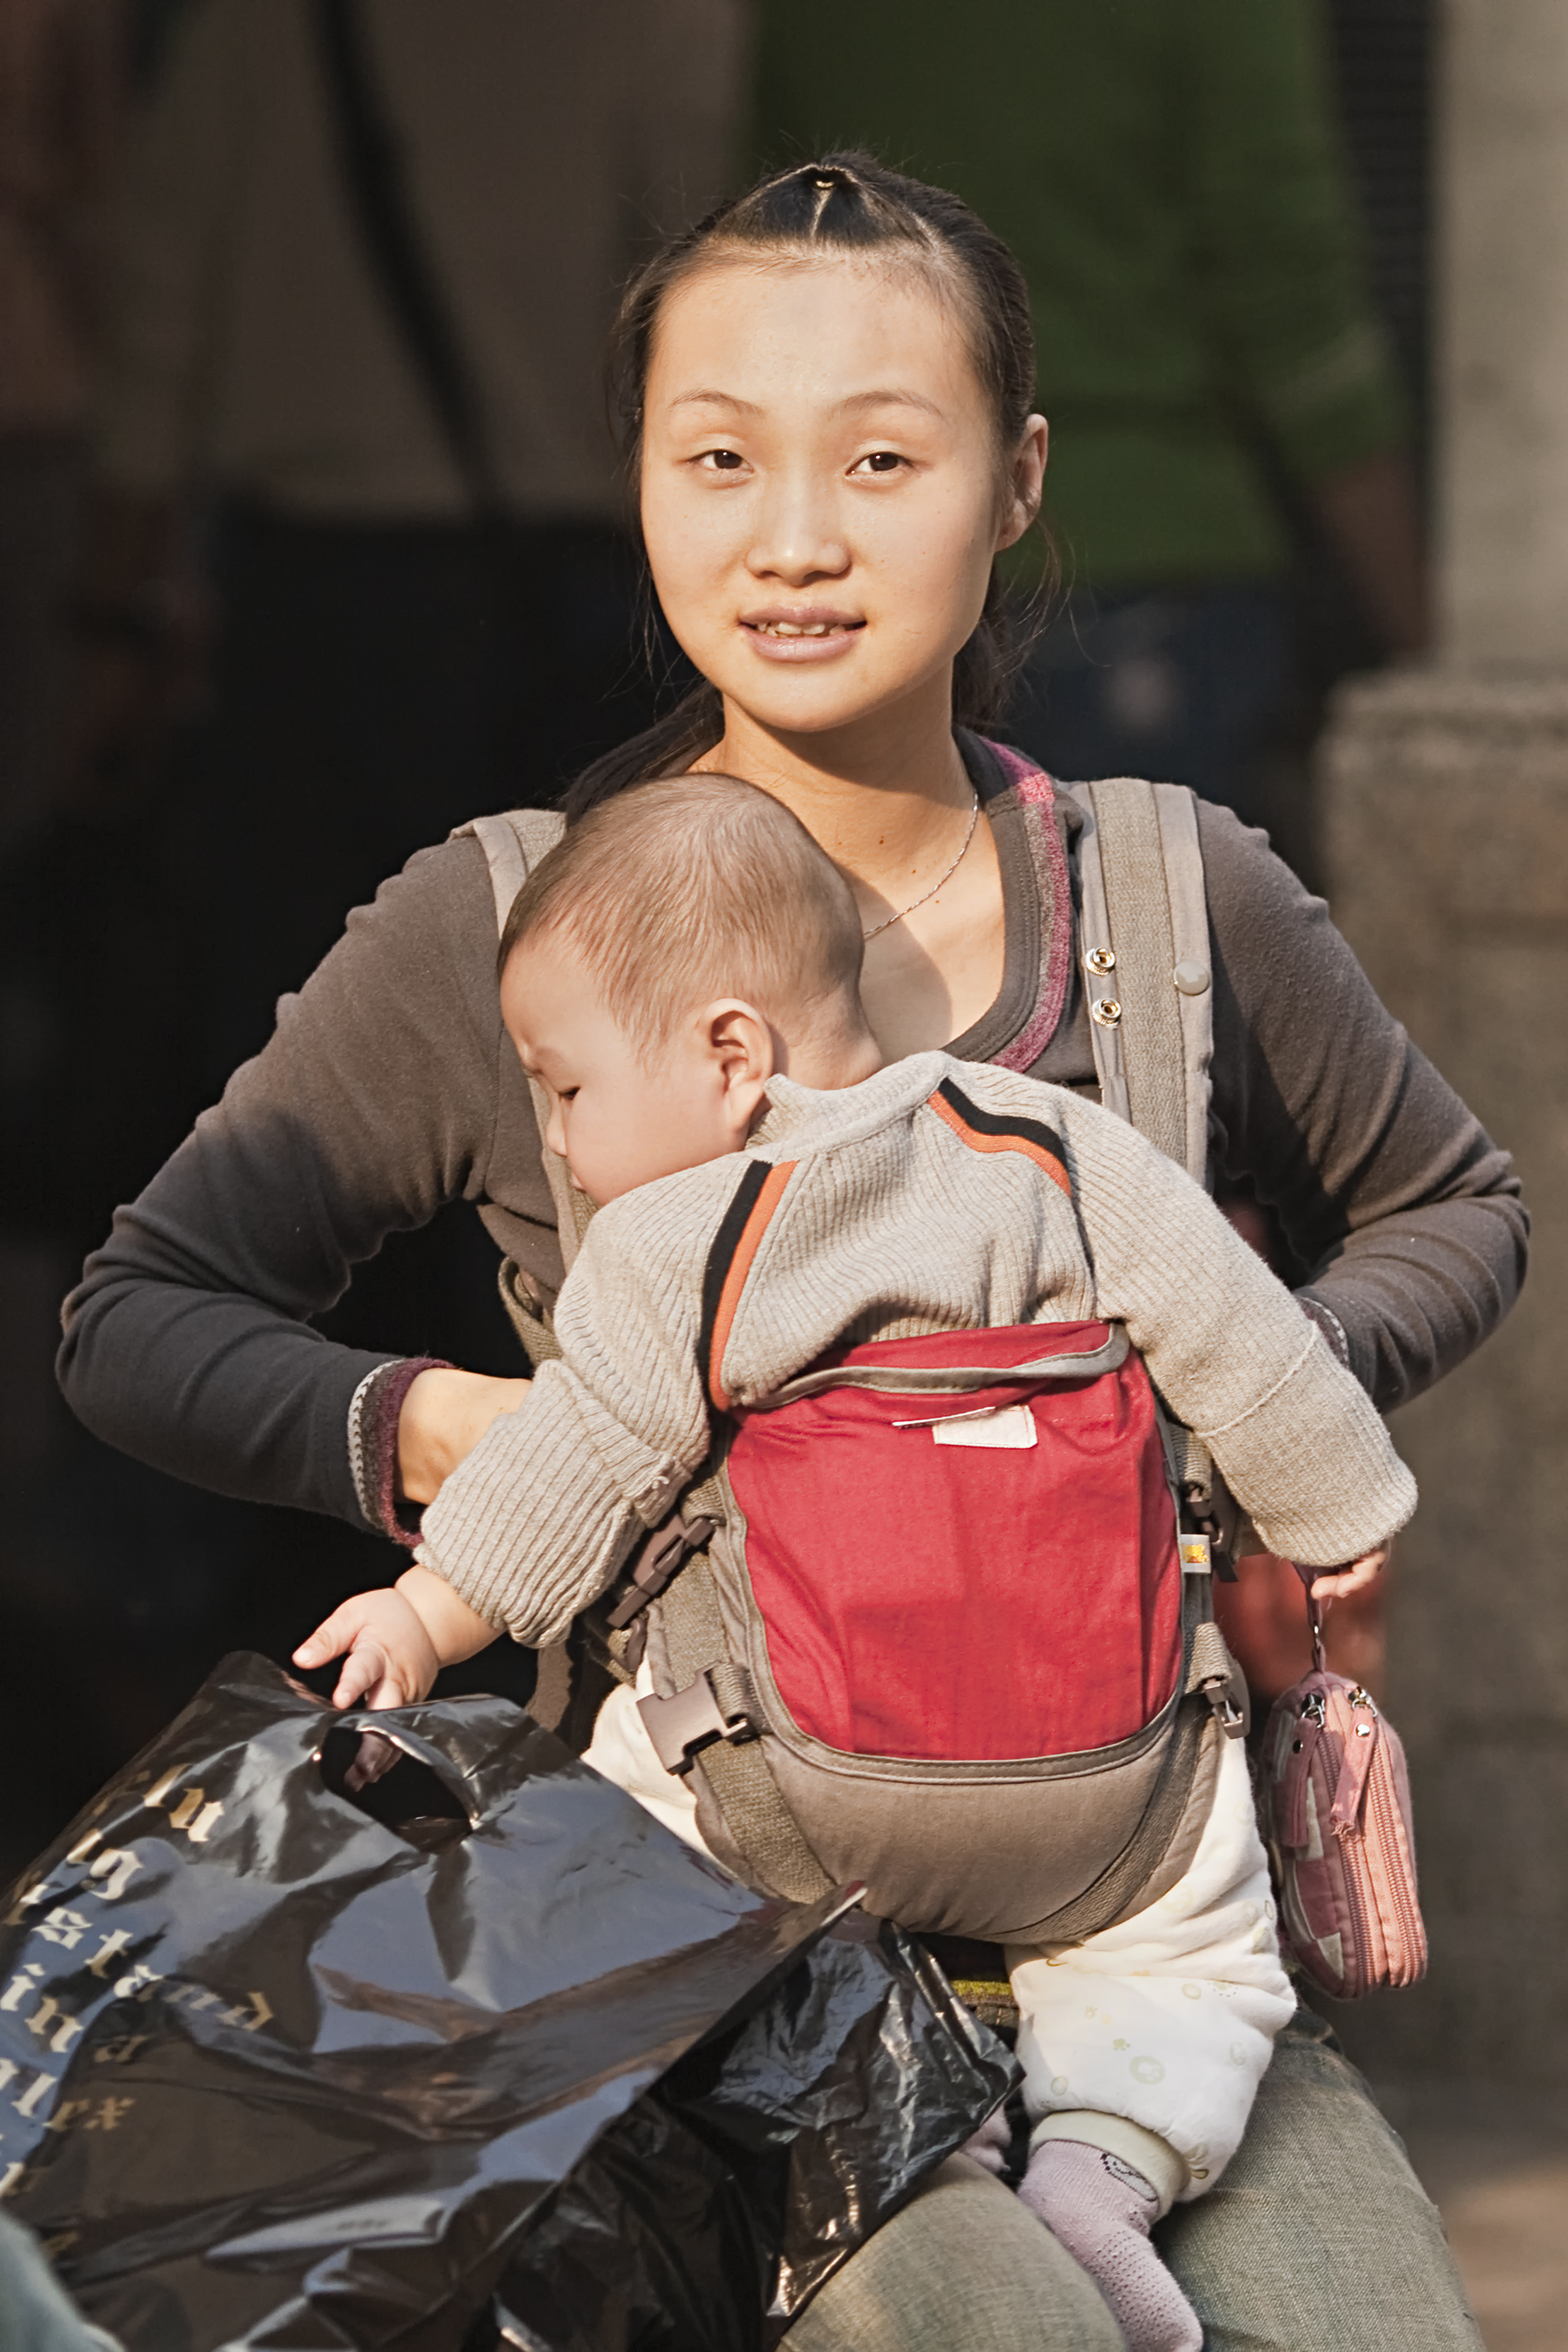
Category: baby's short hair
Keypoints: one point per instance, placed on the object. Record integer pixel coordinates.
(692, 887)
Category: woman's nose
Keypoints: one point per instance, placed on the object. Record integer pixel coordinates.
(801, 537)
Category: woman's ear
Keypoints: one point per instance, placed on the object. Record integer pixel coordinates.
(1028, 482)
(739, 1044)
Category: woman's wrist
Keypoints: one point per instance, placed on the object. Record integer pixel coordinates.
(443, 1414)
(375, 1416)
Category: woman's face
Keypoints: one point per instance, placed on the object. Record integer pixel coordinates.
(820, 492)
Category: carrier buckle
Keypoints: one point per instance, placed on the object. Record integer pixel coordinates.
(1198, 1503)
(667, 1548)
(718, 1706)
(1231, 1719)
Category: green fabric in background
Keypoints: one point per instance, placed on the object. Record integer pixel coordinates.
(1171, 176)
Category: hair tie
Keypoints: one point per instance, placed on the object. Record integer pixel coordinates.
(827, 183)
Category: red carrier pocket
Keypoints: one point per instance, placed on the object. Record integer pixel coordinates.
(965, 1602)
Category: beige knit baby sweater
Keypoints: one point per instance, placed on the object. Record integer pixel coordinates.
(891, 1226)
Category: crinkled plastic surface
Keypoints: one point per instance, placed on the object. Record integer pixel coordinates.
(275, 2074)
(787, 2140)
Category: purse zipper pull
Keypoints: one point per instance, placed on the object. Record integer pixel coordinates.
(1361, 1745)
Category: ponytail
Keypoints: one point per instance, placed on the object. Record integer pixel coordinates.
(671, 745)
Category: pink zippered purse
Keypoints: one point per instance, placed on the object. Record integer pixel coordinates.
(1337, 1807)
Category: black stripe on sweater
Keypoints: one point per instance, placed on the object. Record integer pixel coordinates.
(720, 1257)
(990, 1122)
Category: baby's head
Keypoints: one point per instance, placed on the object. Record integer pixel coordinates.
(684, 943)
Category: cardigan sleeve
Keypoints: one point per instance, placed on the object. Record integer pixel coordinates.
(1402, 1217)
(378, 1100)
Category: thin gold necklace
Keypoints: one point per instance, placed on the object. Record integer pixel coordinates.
(877, 929)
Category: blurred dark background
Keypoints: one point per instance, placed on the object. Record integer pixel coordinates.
(271, 618)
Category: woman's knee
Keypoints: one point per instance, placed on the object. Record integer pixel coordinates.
(1319, 2238)
(962, 2268)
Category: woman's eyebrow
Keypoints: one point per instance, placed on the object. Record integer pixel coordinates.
(709, 399)
(893, 396)
(853, 403)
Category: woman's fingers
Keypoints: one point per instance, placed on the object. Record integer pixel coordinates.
(1354, 1579)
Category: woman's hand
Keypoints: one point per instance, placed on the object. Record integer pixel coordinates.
(443, 1416)
(1354, 1579)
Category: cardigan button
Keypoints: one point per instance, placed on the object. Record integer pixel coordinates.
(1101, 960)
(1192, 979)
(1106, 1011)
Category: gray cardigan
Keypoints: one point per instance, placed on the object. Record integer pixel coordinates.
(390, 1088)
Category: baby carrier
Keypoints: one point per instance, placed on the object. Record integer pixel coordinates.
(937, 1615)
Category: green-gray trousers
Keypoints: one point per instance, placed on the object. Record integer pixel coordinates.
(1319, 2238)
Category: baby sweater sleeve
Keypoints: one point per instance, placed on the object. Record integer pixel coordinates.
(535, 1523)
(1300, 1441)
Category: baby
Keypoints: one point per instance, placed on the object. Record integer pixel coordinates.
(680, 978)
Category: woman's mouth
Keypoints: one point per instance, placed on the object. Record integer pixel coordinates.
(801, 636)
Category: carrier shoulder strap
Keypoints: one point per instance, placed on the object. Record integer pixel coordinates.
(1147, 961)
(513, 844)
(1149, 970)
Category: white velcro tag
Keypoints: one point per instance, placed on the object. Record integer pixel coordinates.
(1011, 1426)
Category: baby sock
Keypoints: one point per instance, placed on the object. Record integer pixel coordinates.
(1101, 2210)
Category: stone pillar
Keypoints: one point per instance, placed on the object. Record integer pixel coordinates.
(1446, 814)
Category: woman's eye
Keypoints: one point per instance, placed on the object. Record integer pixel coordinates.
(723, 461)
(880, 461)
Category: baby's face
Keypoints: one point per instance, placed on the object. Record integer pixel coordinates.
(616, 1122)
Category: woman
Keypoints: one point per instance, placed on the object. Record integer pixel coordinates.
(826, 391)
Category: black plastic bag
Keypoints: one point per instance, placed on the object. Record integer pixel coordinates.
(705, 2218)
(277, 2074)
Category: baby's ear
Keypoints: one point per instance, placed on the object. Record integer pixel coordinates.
(743, 1056)
(742, 1039)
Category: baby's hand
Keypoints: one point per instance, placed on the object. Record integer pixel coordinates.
(389, 1659)
(1354, 1579)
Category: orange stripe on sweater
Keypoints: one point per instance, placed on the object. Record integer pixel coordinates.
(1046, 1161)
(746, 1249)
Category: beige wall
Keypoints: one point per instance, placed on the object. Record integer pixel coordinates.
(1447, 808)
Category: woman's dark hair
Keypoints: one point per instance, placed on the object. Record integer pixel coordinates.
(852, 206)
